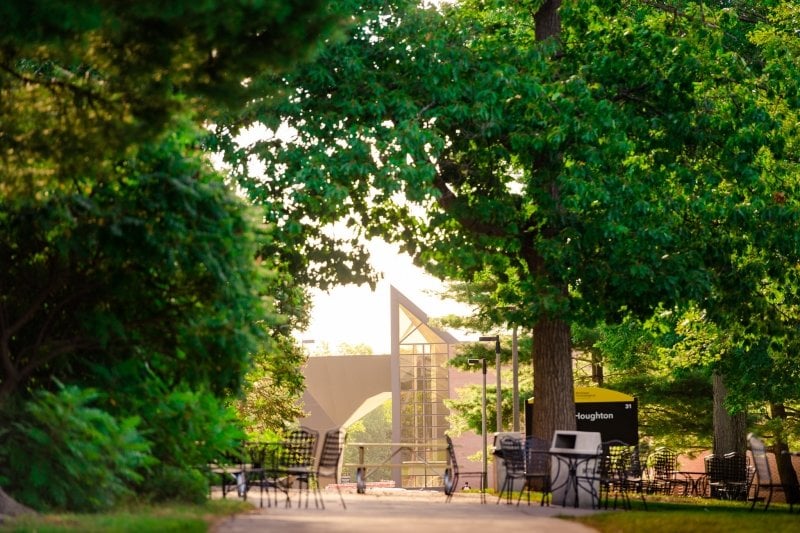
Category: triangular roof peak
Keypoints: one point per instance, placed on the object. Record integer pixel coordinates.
(398, 298)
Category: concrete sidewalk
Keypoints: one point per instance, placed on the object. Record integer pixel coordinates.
(403, 511)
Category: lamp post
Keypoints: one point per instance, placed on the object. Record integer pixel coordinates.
(499, 393)
(485, 469)
(515, 374)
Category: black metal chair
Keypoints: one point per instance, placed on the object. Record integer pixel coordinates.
(537, 469)
(328, 466)
(618, 471)
(254, 471)
(514, 461)
(299, 456)
(635, 475)
(664, 474)
(728, 477)
(763, 476)
(713, 475)
(452, 473)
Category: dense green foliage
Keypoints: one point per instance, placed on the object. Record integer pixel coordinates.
(145, 288)
(128, 265)
(644, 160)
(66, 453)
(156, 264)
(81, 82)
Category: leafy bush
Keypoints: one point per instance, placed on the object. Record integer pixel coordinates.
(188, 429)
(65, 454)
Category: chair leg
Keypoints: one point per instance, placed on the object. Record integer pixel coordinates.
(502, 490)
(339, 490)
(314, 480)
(527, 489)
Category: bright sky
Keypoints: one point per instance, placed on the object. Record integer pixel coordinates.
(357, 315)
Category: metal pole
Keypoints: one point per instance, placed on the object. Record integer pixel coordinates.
(499, 393)
(483, 429)
(515, 372)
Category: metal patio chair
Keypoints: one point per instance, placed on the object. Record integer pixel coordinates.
(664, 474)
(537, 469)
(514, 462)
(763, 476)
(452, 473)
(328, 466)
(299, 456)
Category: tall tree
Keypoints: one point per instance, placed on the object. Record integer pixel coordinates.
(623, 165)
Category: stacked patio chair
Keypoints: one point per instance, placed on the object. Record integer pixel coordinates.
(635, 475)
(618, 471)
(728, 477)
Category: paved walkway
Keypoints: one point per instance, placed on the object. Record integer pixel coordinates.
(403, 511)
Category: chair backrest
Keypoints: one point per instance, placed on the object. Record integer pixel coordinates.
(760, 461)
(255, 453)
(537, 457)
(734, 467)
(513, 456)
(713, 467)
(301, 447)
(332, 448)
(451, 455)
(614, 458)
(664, 463)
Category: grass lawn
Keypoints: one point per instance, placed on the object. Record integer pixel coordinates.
(162, 518)
(694, 515)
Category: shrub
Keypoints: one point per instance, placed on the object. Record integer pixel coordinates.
(188, 430)
(65, 454)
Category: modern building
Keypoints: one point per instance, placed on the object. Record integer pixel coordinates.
(415, 375)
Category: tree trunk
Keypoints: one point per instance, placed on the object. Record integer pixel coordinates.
(553, 385)
(553, 388)
(548, 22)
(730, 431)
(11, 507)
(783, 460)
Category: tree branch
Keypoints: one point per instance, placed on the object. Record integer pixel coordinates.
(451, 172)
(52, 84)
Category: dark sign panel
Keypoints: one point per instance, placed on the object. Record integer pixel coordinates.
(612, 414)
(613, 420)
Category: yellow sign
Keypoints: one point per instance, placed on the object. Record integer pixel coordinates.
(597, 394)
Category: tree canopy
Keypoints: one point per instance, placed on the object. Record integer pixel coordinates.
(643, 157)
(80, 83)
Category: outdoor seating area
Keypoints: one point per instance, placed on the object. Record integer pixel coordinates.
(610, 476)
(280, 469)
(618, 472)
